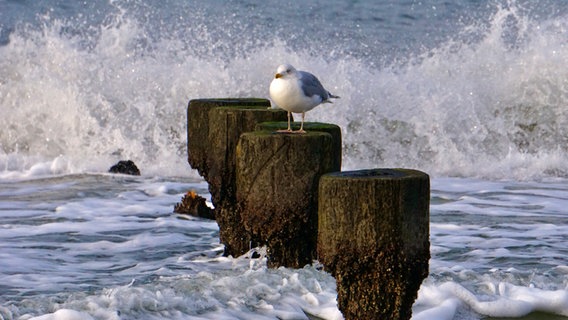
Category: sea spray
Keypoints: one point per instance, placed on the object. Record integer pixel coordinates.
(488, 106)
(92, 89)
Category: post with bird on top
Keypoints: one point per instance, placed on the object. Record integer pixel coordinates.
(279, 184)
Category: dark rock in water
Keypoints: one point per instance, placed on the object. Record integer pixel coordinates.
(125, 167)
(194, 205)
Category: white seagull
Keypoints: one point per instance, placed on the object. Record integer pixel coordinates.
(297, 91)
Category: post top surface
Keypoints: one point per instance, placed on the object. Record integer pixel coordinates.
(378, 173)
(233, 101)
(289, 135)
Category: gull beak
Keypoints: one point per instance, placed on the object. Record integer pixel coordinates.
(278, 75)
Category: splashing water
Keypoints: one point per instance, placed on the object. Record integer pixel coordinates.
(488, 101)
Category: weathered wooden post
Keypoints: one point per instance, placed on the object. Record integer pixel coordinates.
(198, 126)
(374, 239)
(214, 127)
(277, 183)
(332, 129)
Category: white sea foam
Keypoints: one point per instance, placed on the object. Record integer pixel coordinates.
(120, 253)
(64, 314)
(509, 302)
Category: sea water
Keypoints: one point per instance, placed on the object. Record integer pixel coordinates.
(472, 92)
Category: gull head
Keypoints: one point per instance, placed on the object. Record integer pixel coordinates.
(284, 70)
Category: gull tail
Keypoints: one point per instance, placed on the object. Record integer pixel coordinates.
(330, 96)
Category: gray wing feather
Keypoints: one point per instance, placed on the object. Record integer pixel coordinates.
(312, 86)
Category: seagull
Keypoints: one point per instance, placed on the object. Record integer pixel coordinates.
(297, 91)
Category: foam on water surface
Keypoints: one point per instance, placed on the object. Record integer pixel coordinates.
(110, 247)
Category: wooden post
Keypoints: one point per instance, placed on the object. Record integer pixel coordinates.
(332, 129)
(214, 127)
(226, 125)
(277, 183)
(198, 126)
(374, 239)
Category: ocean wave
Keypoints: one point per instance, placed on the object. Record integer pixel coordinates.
(487, 102)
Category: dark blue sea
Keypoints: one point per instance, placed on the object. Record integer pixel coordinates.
(474, 93)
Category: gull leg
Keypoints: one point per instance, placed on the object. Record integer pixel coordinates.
(301, 125)
(289, 127)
